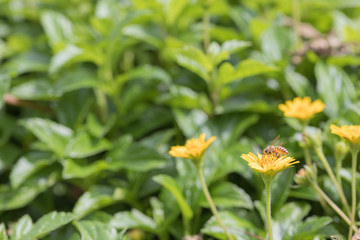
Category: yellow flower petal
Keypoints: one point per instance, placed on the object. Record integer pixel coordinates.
(194, 148)
(302, 109)
(350, 133)
(268, 163)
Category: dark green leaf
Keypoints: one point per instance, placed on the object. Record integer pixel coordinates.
(73, 169)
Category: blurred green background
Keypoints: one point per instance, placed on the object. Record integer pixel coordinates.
(94, 93)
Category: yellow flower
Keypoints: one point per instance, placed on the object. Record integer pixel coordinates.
(194, 148)
(302, 109)
(269, 164)
(350, 133)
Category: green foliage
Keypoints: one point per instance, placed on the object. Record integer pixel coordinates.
(94, 93)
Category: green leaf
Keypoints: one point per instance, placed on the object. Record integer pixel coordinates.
(26, 62)
(36, 89)
(298, 83)
(97, 197)
(142, 33)
(4, 87)
(48, 223)
(195, 61)
(226, 194)
(275, 41)
(72, 169)
(17, 198)
(8, 155)
(135, 157)
(246, 68)
(84, 79)
(183, 97)
(133, 219)
(3, 234)
(280, 188)
(22, 228)
(336, 98)
(236, 226)
(93, 230)
(174, 10)
(310, 227)
(55, 136)
(96, 128)
(83, 145)
(27, 165)
(58, 28)
(234, 46)
(64, 56)
(170, 184)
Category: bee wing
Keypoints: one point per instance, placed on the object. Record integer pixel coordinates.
(275, 140)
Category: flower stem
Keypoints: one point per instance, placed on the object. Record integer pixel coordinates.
(354, 153)
(268, 207)
(319, 152)
(333, 206)
(211, 203)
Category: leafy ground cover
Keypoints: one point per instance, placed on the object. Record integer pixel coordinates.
(93, 94)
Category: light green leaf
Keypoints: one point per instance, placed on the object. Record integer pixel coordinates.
(226, 194)
(63, 57)
(195, 61)
(93, 230)
(27, 165)
(72, 169)
(55, 136)
(22, 228)
(3, 234)
(48, 223)
(141, 33)
(234, 46)
(58, 28)
(83, 145)
(97, 197)
(174, 10)
(246, 68)
(170, 184)
(133, 219)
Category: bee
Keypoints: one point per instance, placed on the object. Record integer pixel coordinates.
(277, 150)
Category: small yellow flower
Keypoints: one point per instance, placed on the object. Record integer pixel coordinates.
(350, 133)
(194, 148)
(302, 109)
(269, 164)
